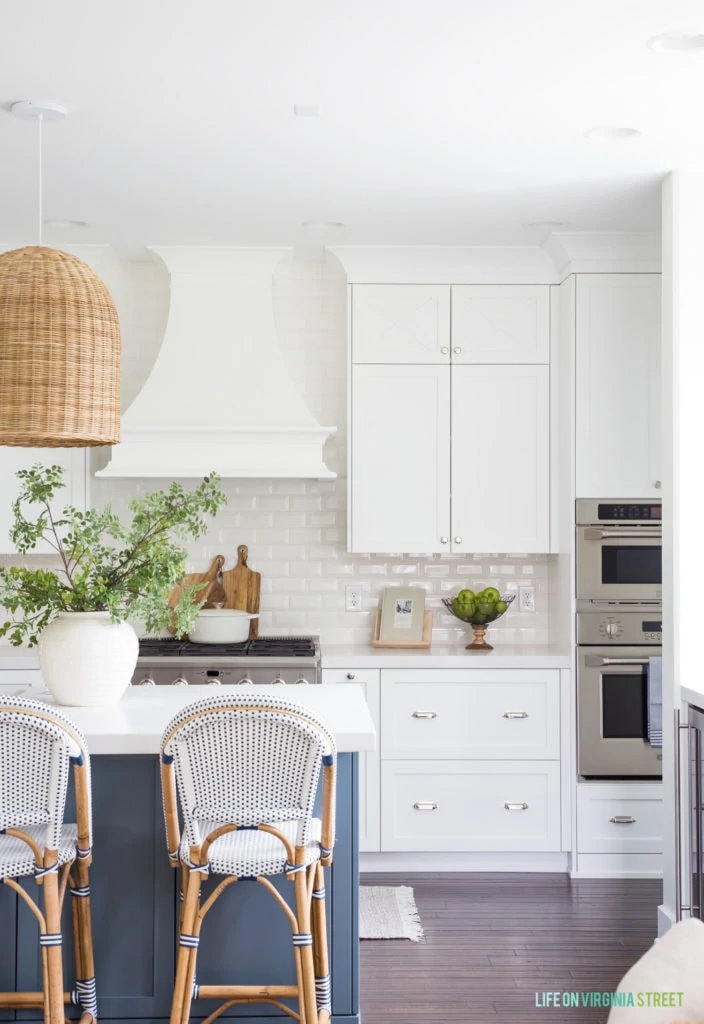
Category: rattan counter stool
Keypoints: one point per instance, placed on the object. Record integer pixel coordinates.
(38, 746)
(246, 771)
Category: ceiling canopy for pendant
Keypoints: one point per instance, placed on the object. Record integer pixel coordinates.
(59, 344)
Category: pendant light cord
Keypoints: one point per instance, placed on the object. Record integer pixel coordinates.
(40, 120)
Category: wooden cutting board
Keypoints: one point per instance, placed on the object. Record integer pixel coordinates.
(210, 576)
(243, 588)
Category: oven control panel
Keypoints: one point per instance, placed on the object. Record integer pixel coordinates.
(626, 627)
(619, 513)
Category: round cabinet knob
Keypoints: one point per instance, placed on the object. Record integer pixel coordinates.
(445, 350)
(458, 540)
(180, 681)
(444, 540)
(350, 675)
(658, 484)
(457, 350)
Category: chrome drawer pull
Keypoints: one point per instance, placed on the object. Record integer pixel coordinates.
(425, 805)
(623, 819)
(516, 807)
(515, 714)
(424, 714)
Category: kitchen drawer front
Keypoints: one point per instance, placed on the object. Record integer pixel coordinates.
(619, 818)
(21, 678)
(503, 715)
(369, 762)
(470, 805)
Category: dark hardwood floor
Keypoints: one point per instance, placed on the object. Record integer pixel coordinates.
(493, 940)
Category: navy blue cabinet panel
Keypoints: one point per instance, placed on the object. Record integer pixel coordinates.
(132, 903)
(245, 937)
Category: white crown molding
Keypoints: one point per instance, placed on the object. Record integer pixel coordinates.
(590, 252)
(445, 264)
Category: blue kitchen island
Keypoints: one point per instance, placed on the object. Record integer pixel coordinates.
(135, 891)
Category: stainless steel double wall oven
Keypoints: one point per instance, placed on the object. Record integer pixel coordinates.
(619, 628)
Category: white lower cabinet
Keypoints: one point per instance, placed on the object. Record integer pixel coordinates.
(470, 805)
(470, 760)
(619, 817)
(369, 780)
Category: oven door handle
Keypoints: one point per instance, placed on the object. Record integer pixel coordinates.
(595, 660)
(593, 533)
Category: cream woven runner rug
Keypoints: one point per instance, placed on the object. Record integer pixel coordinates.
(388, 912)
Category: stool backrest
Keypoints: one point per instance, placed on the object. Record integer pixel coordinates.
(37, 747)
(246, 760)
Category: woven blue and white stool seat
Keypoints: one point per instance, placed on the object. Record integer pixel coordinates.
(250, 852)
(17, 859)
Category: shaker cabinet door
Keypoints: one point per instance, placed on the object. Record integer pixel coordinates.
(400, 323)
(500, 459)
(400, 459)
(499, 323)
(618, 386)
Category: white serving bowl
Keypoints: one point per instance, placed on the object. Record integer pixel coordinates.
(221, 626)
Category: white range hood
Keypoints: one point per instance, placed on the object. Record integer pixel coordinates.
(219, 396)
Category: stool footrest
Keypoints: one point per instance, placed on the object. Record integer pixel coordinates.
(26, 1000)
(247, 991)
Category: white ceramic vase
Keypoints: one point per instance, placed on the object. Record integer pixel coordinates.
(86, 659)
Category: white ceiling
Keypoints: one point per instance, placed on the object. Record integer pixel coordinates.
(446, 122)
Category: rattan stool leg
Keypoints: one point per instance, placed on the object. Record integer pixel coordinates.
(320, 947)
(185, 965)
(52, 942)
(83, 942)
(309, 1013)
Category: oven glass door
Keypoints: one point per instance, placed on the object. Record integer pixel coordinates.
(612, 713)
(619, 565)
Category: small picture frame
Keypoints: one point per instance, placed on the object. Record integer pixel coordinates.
(402, 611)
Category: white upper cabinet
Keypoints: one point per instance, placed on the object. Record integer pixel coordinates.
(400, 323)
(500, 323)
(400, 459)
(73, 461)
(618, 358)
(500, 459)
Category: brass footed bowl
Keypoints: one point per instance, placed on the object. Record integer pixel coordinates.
(479, 622)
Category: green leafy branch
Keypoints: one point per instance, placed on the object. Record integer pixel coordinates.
(127, 570)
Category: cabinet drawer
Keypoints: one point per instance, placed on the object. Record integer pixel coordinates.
(470, 805)
(497, 714)
(619, 818)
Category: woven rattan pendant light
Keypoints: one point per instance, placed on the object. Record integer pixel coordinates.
(59, 342)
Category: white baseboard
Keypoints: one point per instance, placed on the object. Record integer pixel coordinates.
(618, 865)
(411, 862)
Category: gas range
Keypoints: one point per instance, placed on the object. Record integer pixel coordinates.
(265, 660)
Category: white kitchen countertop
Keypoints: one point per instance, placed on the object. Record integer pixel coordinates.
(445, 656)
(135, 725)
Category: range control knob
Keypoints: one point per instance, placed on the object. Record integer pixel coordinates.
(278, 681)
(612, 629)
(180, 681)
(147, 681)
(302, 680)
(245, 681)
(214, 681)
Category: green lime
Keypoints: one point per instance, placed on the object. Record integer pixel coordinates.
(465, 595)
(501, 607)
(491, 594)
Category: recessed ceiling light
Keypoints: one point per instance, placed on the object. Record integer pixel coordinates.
(678, 42)
(322, 224)
(612, 133)
(66, 223)
(306, 109)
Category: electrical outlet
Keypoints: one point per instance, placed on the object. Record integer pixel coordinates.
(353, 597)
(526, 599)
